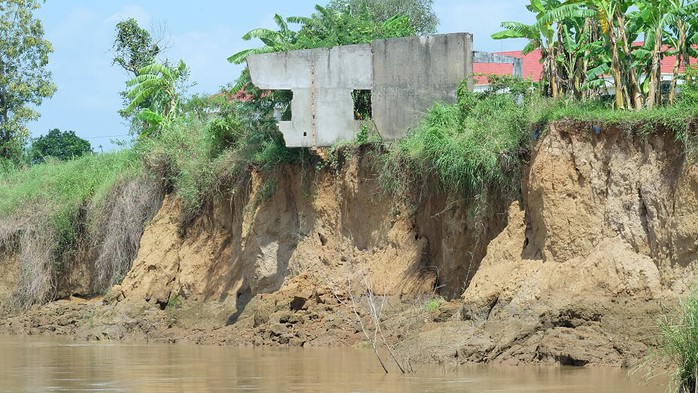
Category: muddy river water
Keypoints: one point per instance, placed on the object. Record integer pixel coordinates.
(29, 364)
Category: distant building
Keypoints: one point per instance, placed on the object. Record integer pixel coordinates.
(533, 68)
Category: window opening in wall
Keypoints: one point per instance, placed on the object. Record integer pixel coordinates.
(362, 104)
(282, 107)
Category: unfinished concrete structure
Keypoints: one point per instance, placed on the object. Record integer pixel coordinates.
(405, 75)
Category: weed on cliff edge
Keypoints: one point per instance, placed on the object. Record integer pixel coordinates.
(45, 206)
(471, 147)
(678, 343)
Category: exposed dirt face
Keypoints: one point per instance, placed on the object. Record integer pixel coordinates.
(9, 265)
(575, 273)
(322, 224)
(579, 276)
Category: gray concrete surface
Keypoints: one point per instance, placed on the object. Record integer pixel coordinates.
(411, 74)
(406, 75)
(322, 81)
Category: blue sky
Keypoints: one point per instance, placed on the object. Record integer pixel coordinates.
(203, 34)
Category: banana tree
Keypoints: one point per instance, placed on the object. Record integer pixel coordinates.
(658, 16)
(540, 35)
(682, 37)
(274, 41)
(575, 32)
(155, 96)
(611, 17)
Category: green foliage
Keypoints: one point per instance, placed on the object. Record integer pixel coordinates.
(155, 95)
(679, 343)
(472, 147)
(59, 191)
(689, 90)
(59, 145)
(133, 46)
(24, 79)
(204, 152)
(585, 42)
(327, 27)
(420, 13)
(174, 302)
(433, 304)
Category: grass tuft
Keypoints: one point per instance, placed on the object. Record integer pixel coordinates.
(679, 343)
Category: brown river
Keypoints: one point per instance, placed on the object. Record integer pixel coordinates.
(29, 364)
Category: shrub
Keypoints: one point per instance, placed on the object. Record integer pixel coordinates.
(679, 343)
(471, 147)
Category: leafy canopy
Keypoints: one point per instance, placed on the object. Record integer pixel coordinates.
(133, 46)
(420, 13)
(24, 80)
(327, 27)
(155, 95)
(62, 145)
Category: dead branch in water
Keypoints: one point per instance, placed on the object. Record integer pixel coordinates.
(374, 308)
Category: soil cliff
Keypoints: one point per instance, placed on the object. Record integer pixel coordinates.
(601, 242)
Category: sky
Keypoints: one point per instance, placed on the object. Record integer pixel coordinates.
(203, 34)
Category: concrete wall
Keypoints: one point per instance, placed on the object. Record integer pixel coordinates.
(411, 74)
(406, 76)
(321, 81)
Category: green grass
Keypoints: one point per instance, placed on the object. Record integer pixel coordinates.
(202, 156)
(471, 147)
(476, 146)
(64, 184)
(433, 304)
(56, 191)
(679, 342)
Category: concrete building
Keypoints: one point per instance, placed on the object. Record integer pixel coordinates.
(402, 76)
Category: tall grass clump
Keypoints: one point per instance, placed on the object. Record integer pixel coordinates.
(678, 344)
(205, 153)
(43, 211)
(472, 147)
(61, 188)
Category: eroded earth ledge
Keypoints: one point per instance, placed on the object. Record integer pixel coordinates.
(575, 272)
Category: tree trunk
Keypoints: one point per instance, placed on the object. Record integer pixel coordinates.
(634, 85)
(679, 58)
(655, 73)
(615, 69)
(552, 66)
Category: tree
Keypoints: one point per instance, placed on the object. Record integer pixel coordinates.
(683, 36)
(158, 85)
(24, 79)
(58, 144)
(134, 47)
(420, 13)
(583, 41)
(540, 35)
(325, 28)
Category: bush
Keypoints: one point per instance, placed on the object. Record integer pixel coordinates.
(689, 90)
(679, 343)
(471, 147)
(44, 209)
(59, 145)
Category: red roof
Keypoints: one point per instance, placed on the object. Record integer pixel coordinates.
(533, 68)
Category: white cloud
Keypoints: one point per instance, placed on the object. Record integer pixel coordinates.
(130, 11)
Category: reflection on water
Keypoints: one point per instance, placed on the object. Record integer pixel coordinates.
(55, 365)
